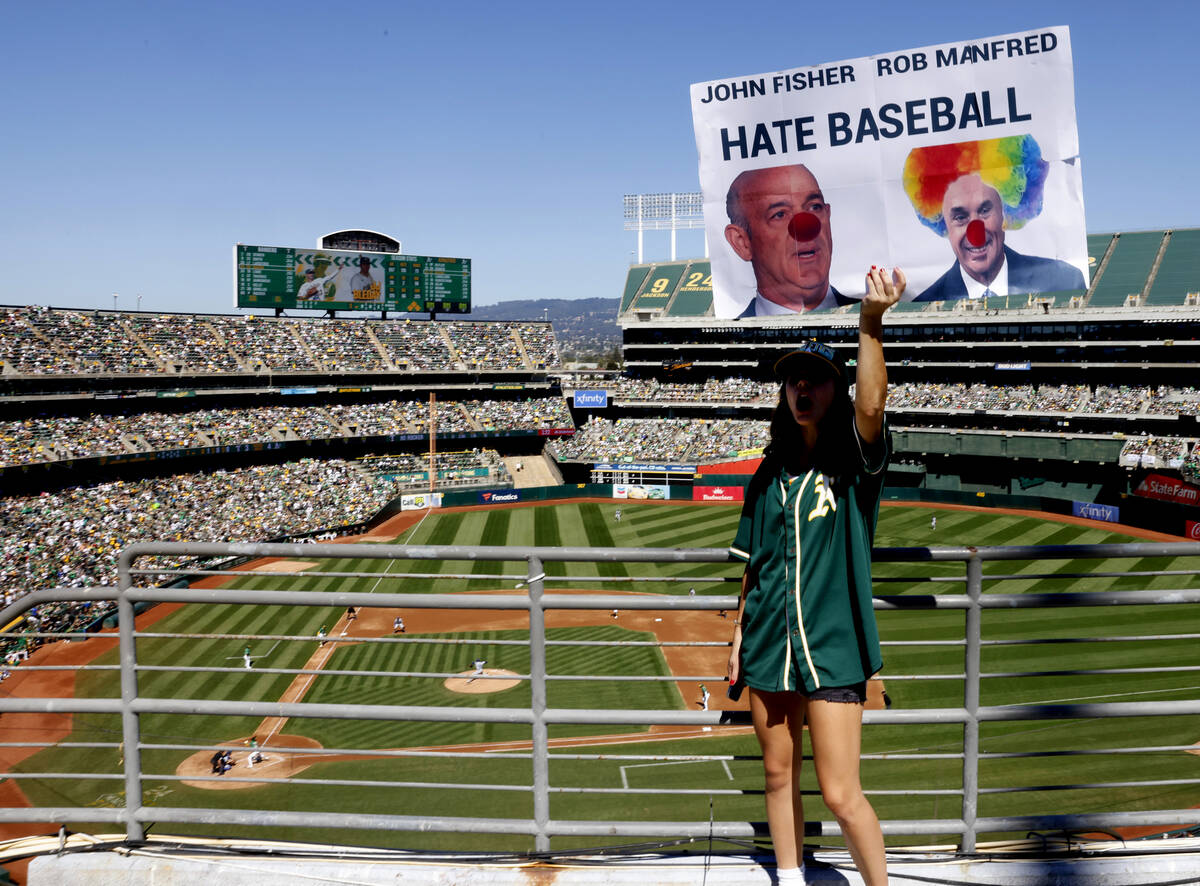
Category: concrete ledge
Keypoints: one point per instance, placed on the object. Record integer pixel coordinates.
(1108, 864)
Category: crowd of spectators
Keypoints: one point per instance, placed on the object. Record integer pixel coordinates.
(1009, 398)
(72, 537)
(1156, 451)
(42, 341)
(1174, 401)
(1191, 465)
(722, 390)
(33, 440)
(676, 440)
(410, 471)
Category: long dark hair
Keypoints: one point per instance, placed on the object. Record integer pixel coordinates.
(836, 448)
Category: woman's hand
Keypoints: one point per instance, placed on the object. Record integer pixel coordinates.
(882, 292)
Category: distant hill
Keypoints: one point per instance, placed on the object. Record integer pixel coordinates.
(584, 326)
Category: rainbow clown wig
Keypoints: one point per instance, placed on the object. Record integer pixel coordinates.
(1012, 165)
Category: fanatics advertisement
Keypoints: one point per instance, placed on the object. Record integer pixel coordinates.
(958, 163)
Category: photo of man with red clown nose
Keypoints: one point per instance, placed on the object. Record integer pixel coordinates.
(972, 193)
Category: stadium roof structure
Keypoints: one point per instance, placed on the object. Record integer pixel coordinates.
(1147, 274)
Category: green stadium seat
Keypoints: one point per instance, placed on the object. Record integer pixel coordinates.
(1179, 272)
(694, 297)
(633, 282)
(1127, 270)
(658, 287)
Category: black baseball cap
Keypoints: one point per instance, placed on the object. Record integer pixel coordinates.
(808, 354)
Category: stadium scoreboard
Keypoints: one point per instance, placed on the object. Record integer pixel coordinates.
(301, 278)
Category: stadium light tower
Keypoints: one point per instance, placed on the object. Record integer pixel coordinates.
(664, 212)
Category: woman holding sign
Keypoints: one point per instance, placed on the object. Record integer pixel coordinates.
(804, 638)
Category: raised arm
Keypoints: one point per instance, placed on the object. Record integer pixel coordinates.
(870, 390)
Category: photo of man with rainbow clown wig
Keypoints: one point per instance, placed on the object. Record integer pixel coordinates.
(971, 193)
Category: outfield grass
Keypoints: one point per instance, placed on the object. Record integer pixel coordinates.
(593, 524)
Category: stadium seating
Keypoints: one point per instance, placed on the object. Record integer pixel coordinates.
(43, 341)
(1177, 274)
(56, 438)
(658, 287)
(1128, 269)
(85, 527)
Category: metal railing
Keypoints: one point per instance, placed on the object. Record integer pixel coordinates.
(137, 812)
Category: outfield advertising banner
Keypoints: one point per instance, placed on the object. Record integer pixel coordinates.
(420, 501)
(957, 162)
(499, 496)
(1093, 511)
(641, 491)
(718, 493)
(1193, 529)
(286, 277)
(1166, 488)
(644, 468)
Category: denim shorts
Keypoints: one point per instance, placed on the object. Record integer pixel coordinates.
(853, 694)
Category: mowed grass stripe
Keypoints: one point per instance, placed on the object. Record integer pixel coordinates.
(597, 534)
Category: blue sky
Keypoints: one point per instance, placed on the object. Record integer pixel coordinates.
(142, 141)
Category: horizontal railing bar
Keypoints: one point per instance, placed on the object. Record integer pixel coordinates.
(1093, 672)
(323, 820)
(60, 744)
(502, 553)
(1090, 598)
(634, 602)
(105, 814)
(424, 641)
(1092, 786)
(1050, 576)
(438, 675)
(1086, 822)
(998, 713)
(103, 776)
(1089, 711)
(341, 782)
(1089, 752)
(1126, 638)
(342, 752)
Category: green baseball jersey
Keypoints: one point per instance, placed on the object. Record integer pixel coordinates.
(806, 541)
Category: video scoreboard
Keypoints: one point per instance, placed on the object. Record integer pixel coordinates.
(332, 280)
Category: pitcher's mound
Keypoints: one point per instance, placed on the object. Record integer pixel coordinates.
(467, 682)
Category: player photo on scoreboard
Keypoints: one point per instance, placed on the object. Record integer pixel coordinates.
(958, 163)
(339, 280)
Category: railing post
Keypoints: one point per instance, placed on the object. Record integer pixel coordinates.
(130, 727)
(537, 692)
(970, 773)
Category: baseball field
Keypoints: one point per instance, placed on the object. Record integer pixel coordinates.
(909, 770)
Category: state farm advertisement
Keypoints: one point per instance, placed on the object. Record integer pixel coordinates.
(718, 493)
(1166, 488)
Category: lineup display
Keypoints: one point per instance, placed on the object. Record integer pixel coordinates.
(301, 278)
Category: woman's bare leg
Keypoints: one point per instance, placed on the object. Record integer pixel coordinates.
(835, 730)
(778, 722)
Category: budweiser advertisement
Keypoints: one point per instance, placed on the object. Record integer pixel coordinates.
(718, 493)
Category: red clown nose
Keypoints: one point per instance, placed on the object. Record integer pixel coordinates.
(976, 235)
(804, 226)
